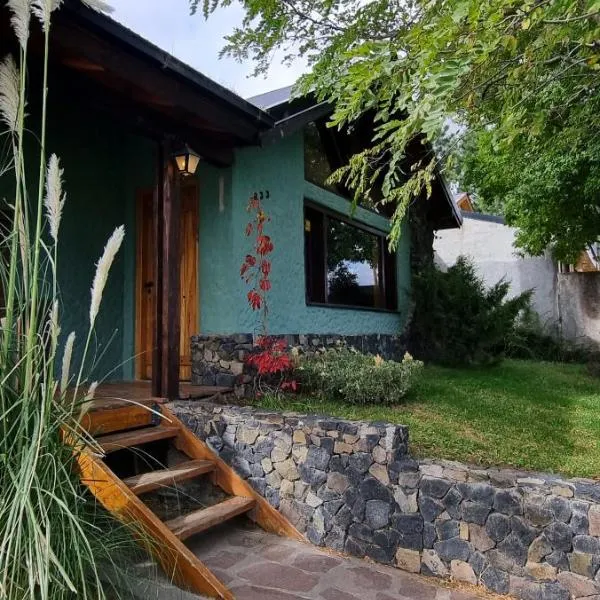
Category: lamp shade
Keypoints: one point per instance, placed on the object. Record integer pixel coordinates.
(186, 160)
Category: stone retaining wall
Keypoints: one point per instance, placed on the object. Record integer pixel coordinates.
(219, 359)
(354, 488)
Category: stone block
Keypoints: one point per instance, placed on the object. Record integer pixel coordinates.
(539, 549)
(452, 501)
(342, 448)
(497, 526)
(447, 529)
(524, 530)
(377, 514)
(563, 489)
(313, 500)
(429, 535)
(380, 472)
(584, 564)
(267, 465)
(287, 469)
(408, 479)
(453, 549)
(431, 470)
(509, 502)
(337, 482)
(479, 562)
(495, 580)
(379, 455)
(299, 437)
(434, 487)
(286, 488)
(594, 520)
(482, 493)
(479, 538)
(408, 560)
(407, 502)
(578, 585)
(585, 543)
(360, 461)
(579, 522)
(372, 489)
(541, 571)
(475, 512)
(430, 508)
(513, 547)
(433, 565)
(559, 507)
(560, 536)
(462, 571)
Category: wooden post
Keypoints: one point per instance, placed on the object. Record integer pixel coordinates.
(165, 364)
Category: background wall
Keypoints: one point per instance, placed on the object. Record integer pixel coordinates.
(579, 308)
(278, 168)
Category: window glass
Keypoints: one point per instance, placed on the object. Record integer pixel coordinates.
(346, 264)
(317, 167)
(353, 265)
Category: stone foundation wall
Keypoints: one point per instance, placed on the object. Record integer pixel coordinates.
(354, 488)
(219, 359)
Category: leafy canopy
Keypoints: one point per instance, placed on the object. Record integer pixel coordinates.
(516, 74)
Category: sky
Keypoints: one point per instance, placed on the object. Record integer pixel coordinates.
(168, 24)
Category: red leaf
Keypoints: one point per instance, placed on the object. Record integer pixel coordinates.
(249, 229)
(250, 260)
(265, 267)
(254, 299)
(265, 285)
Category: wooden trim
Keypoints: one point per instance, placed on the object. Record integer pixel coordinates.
(227, 479)
(139, 207)
(177, 560)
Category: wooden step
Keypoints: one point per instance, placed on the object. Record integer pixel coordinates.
(139, 484)
(137, 437)
(205, 518)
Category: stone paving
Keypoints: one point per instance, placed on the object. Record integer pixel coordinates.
(259, 566)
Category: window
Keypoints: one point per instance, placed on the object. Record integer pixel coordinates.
(347, 264)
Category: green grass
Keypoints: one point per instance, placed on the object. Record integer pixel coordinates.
(526, 414)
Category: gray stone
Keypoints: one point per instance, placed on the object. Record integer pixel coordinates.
(451, 502)
(355, 547)
(522, 528)
(524, 588)
(447, 529)
(273, 479)
(514, 548)
(579, 522)
(360, 461)
(408, 560)
(344, 517)
(432, 486)
(496, 580)
(312, 476)
(479, 562)
(453, 549)
(585, 543)
(584, 564)
(377, 514)
(408, 479)
(372, 489)
(497, 526)
(430, 508)
(315, 535)
(432, 564)
(560, 536)
(259, 484)
(477, 492)
(475, 512)
(242, 466)
(313, 500)
(335, 539)
(559, 507)
(287, 469)
(558, 559)
(429, 535)
(317, 458)
(406, 524)
(361, 531)
(536, 511)
(509, 502)
(554, 591)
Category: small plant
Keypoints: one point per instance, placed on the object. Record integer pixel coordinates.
(458, 320)
(356, 378)
(270, 360)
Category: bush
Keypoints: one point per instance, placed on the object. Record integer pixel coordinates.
(457, 320)
(531, 339)
(356, 378)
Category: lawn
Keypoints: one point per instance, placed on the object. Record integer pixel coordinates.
(533, 415)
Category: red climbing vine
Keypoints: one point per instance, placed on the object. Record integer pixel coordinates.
(271, 360)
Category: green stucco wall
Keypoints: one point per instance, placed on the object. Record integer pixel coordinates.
(278, 168)
(103, 167)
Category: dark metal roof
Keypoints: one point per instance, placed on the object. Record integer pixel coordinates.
(273, 98)
(475, 216)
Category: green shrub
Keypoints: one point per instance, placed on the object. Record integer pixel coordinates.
(356, 378)
(458, 320)
(531, 339)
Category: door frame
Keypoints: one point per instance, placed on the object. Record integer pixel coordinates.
(140, 194)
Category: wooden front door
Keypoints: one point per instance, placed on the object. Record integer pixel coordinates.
(146, 284)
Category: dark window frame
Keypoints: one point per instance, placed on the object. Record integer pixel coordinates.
(315, 262)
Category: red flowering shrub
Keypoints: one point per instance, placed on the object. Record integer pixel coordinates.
(271, 359)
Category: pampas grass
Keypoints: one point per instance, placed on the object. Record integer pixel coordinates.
(9, 93)
(55, 198)
(99, 5)
(53, 539)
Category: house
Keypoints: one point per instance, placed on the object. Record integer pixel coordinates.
(564, 296)
(120, 110)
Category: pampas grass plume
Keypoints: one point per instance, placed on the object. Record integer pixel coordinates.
(66, 363)
(42, 9)
(91, 391)
(21, 14)
(55, 199)
(102, 270)
(9, 93)
(99, 5)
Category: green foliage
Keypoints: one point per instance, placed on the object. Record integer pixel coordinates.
(457, 320)
(529, 339)
(524, 71)
(356, 378)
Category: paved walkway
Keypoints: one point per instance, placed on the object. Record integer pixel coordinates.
(260, 566)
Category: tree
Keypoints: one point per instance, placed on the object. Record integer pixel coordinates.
(516, 74)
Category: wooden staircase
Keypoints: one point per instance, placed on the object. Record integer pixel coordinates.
(118, 425)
